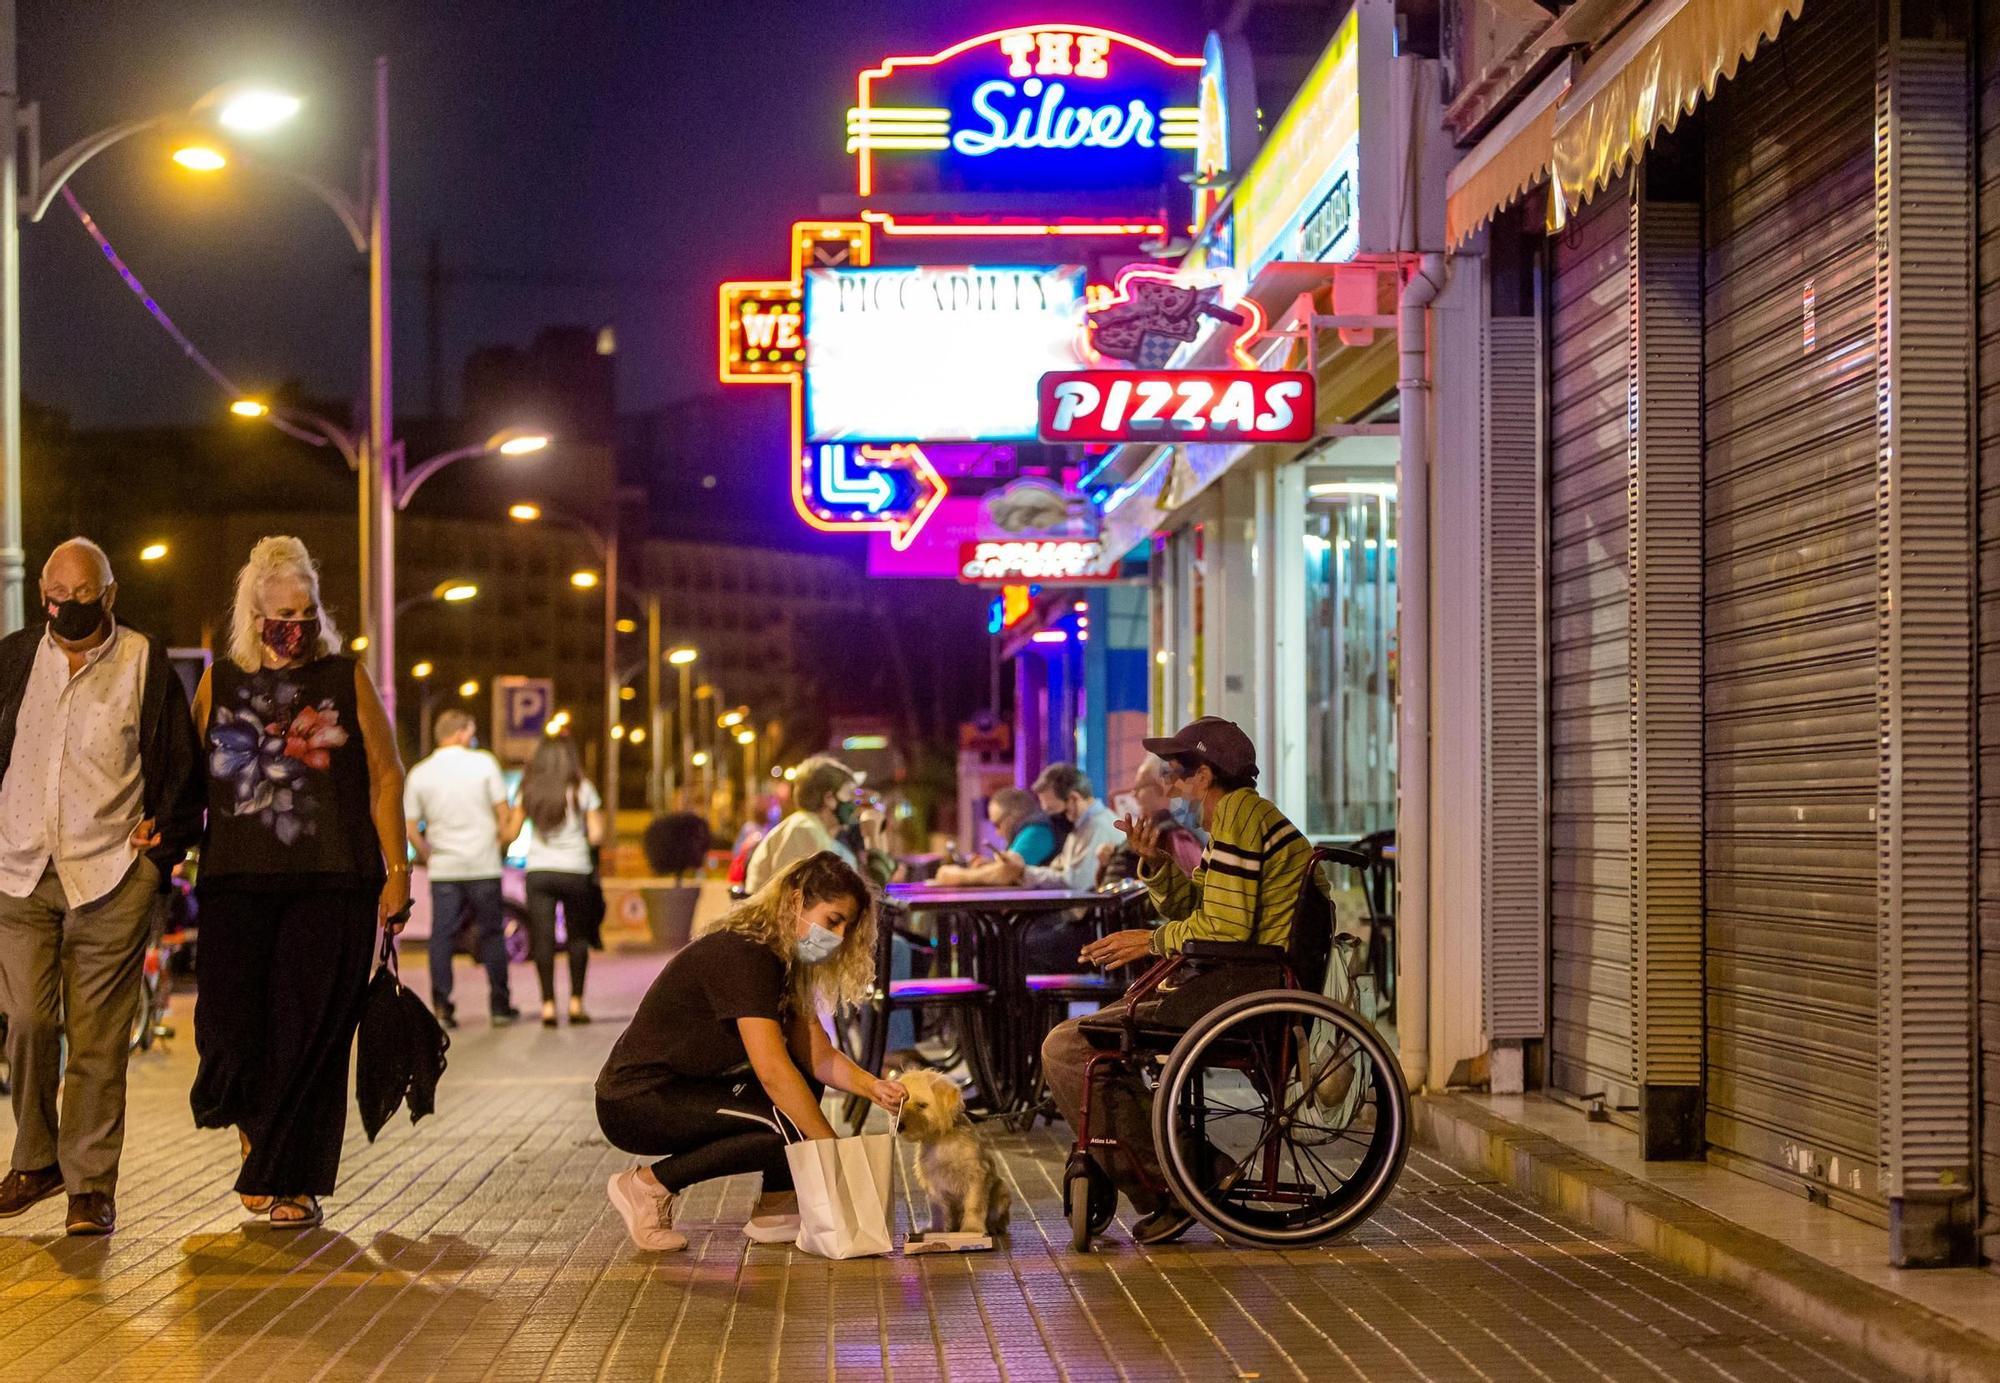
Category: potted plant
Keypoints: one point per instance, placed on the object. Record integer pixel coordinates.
(677, 846)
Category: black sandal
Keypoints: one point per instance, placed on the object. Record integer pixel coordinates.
(310, 1216)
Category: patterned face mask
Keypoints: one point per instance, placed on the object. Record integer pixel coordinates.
(290, 638)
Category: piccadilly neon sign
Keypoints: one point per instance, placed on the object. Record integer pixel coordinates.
(1029, 109)
(836, 489)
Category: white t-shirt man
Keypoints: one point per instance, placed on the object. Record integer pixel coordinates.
(453, 794)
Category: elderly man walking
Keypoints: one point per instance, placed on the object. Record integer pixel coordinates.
(101, 794)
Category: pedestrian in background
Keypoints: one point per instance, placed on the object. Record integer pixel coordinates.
(100, 797)
(456, 813)
(304, 859)
(566, 817)
(1177, 820)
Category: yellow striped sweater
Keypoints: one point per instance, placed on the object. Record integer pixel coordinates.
(1247, 887)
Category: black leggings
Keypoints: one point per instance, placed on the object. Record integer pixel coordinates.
(546, 888)
(701, 1128)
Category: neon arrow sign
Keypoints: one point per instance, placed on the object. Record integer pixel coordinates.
(883, 489)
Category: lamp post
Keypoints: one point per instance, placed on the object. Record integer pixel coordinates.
(605, 543)
(683, 661)
(244, 110)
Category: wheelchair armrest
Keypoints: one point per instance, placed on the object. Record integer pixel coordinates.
(1233, 951)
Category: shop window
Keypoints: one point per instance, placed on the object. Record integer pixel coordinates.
(1350, 609)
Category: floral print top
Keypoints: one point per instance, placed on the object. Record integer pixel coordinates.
(288, 776)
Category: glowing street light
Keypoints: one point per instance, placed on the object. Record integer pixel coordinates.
(618, 732)
(469, 687)
(583, 580)
(152, 552)
(249, 408)
(522, 443)
(638, 735)
(256, 110)
(199, 157)
(628, 693)
(628, 626)
(457, 592)
(746, 736)
(733, 719)
(358, 644)
(700, 759)
(524, 513)
(681, 657)
(422, 670)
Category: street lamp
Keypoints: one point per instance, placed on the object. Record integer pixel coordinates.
(152, 552)
(451, 591)
(28, 185)
(605, 542)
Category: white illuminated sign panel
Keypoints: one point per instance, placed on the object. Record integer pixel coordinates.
(936, 353)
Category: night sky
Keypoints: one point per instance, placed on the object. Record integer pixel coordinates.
(583, 162)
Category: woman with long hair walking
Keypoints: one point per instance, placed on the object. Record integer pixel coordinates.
(303, 861)
(567, 817)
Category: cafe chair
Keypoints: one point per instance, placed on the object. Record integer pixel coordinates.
(1378, 881)
(963, 1003)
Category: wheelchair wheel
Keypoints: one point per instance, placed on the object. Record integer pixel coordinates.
(1089, 1202)
(1281, 1119)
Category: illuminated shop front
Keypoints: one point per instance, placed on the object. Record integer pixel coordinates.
(1273, 563)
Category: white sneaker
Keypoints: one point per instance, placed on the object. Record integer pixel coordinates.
(771, 1229)
(647, 1211)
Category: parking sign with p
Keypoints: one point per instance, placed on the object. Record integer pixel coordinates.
(521, 710)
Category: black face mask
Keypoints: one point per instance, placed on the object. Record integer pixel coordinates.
(76, 620)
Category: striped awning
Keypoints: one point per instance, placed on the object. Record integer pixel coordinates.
(1644, 81)
(1584, 124)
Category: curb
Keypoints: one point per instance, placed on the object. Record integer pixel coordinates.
(1889, 1329)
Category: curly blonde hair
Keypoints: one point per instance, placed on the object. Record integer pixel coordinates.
(273, 559)
(770, 916)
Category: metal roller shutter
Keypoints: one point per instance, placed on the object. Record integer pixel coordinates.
(1989, 633)
(1590, 875)
(1790, 756)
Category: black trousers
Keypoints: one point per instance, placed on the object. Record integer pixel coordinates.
(282, 975)
(702, 1128)
(548, 888)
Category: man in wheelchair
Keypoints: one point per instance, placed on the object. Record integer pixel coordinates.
(1246, 890)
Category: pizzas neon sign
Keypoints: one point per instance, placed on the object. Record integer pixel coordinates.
(1176, 405)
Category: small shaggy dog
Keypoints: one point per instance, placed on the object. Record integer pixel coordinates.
(958, 1173)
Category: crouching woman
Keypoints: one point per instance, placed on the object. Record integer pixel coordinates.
(730, 1042)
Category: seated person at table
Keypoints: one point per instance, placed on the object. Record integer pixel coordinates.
(825, 802)
(1052, 946)
(1178, 820)
(1249, 882)
(1019, 821)
(729, 1038)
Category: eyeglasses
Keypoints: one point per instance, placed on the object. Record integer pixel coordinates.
(85, 594)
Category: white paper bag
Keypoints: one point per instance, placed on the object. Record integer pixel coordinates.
(844, 1194)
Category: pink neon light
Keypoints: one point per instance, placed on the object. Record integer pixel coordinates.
(1239, 348)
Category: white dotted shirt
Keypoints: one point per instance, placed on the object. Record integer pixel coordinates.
(73, 792)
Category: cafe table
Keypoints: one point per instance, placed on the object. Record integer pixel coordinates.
(983, 930)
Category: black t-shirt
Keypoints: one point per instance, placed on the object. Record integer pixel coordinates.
(686, 1024)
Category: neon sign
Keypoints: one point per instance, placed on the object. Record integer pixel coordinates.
(1060, 561)
(939, 352)
(1153, 311)
(892, 489)
(1177, 405)
(1035, 108)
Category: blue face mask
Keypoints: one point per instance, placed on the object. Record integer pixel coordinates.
(1186, 814)
(816, 945)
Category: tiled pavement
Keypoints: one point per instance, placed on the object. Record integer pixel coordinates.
(479, 1245)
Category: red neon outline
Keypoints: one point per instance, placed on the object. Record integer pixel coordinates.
(726, 295)
(887, 221)
(864, 102)
(1239, 349)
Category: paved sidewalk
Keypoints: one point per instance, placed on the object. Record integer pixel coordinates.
(479, 1245)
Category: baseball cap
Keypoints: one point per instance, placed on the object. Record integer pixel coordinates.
(1219, 743)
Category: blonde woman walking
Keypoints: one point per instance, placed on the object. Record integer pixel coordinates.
(304, 859)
